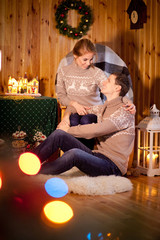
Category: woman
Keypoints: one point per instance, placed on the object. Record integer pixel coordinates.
(79, 84)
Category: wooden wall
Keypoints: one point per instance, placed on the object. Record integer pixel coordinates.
(30, 43)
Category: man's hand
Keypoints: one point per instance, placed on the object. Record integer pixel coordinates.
(63, 125)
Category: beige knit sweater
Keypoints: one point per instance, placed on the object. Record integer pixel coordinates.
(80, 85)
(115, 132)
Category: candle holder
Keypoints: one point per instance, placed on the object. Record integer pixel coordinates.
(148, 144)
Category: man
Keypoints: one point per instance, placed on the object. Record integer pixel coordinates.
(115, 132)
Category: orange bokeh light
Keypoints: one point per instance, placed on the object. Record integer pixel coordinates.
(0, 181)
(58, 212)
(29, 163)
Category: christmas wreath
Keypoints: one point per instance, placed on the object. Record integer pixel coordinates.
(62, 14)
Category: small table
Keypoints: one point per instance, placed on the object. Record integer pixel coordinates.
(29, 113)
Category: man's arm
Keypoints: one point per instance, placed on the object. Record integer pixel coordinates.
(93, 130)
(118, 121)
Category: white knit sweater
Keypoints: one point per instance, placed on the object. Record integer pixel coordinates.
(80, 85)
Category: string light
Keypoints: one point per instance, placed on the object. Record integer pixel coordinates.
(58, 212)
(56, 187)
(29, 163)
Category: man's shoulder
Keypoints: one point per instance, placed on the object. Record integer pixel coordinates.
(122, 118)
(121, 111)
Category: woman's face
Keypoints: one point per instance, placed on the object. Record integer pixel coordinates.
(85, 60)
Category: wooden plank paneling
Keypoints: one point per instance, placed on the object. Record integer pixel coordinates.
(20, 55)
(2, 25)
(31, 43)
(9, 41)
(44, 46)
(35, 39)
(157, 60)
(156, 11)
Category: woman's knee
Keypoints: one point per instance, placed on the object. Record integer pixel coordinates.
(75, 119)
(88, 119)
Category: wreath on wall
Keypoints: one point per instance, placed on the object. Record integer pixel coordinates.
(85, 21)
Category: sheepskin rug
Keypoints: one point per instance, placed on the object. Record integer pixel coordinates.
(79, 183)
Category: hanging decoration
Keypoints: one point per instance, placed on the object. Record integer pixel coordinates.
(62, 14)
(137, 11)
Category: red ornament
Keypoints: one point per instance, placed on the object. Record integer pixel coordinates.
(65, 29)
(62, 15)
(75, 34)
(86, 13)
(66, 9)
(80, 7)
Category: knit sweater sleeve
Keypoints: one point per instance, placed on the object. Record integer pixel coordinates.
(100, 77)
(118, 121)
(93, 130)
(61, 89)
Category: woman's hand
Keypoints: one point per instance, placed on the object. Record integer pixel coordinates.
(130, 107)
(81, 109)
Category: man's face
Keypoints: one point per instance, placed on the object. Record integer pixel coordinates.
(85, 60)
(109, 86)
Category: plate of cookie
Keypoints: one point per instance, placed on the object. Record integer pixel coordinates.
(19, 143)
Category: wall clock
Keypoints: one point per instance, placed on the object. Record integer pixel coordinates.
(137, 11)
(134, 17)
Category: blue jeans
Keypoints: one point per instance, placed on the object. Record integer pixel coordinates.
(76, 119)
(75, 154)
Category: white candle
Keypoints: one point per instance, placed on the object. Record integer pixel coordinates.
(154, 157)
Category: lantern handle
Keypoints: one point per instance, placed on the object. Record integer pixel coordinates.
(154, 111)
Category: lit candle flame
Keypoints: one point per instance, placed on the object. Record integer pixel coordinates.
(154, 156)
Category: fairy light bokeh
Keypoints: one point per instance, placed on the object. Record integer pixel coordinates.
(56, 187)
(58, 212)
(0, 181)
(29, 163)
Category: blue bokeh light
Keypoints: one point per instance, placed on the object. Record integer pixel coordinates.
(89, 236)
(56, 187)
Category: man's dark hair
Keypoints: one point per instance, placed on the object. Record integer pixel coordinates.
(123, 81)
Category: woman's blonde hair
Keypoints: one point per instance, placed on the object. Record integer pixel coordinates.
(84, 46)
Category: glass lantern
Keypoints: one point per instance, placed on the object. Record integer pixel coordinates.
(148, 144)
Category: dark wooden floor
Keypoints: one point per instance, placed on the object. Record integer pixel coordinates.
(125, 216)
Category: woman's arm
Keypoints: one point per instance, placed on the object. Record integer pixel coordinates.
(61, 89)
(63, 98)
(80, 109)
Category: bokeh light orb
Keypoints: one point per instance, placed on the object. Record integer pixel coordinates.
(29, 163)
(56, 187)
(0, 181)
(58, 212)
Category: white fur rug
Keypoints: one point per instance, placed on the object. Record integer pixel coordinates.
(81, 184)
